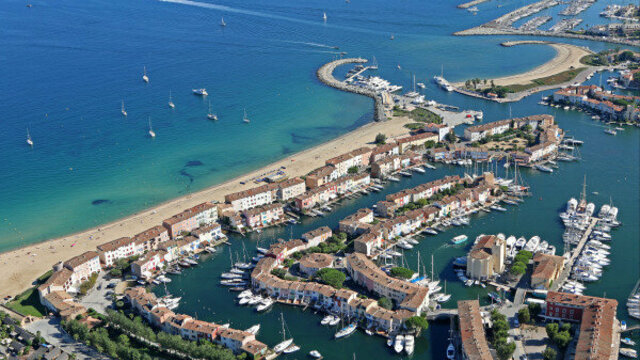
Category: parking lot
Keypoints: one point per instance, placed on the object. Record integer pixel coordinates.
(52, 332)
(99, 298)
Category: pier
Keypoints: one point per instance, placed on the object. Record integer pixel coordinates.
(574, 255)
(325, 75)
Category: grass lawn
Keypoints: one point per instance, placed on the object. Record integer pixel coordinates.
(28, 303)
(414, 126)
(419, 114)
(559, 78)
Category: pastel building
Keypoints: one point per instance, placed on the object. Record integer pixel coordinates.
(190, 219)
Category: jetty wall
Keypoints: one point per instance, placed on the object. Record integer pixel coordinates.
(325, 75)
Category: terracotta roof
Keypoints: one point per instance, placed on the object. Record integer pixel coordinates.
(316, 260)
(81, 259)
(149, 234)
(316, 232)
(251, 192)
(260, 209)
(115, 244)
(474, 341)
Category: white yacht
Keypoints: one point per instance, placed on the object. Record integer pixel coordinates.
(398, 344)
(201, 92)
(29, 140)
(324, 16)
(409, 343)
(254, 329)
(346, 331)
(222, 23)
(245, 119)
(151, 132)
(285, 342)
(122, 109)
(315, 354)
(171, 104)
(145, 78)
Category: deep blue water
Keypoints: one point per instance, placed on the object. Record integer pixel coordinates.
(66, 66)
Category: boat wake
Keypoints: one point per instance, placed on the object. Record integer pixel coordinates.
(311, 44)
(266, 15)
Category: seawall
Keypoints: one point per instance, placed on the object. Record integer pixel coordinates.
(325, 75)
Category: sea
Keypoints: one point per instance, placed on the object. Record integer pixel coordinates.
(68, 66)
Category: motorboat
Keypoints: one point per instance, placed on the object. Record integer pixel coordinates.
(200, 92)
(265, 305)
(315, 354)
(409, 342)
(335, 321)
(451, 352)
(254, 329)
(326, 320)
(459, 239)
(398, 344)
(291, 349)
(345, 331)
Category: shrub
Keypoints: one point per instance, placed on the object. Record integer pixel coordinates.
(523, 316)
(549, 354)
(385, 303)
(416, 323)
(381, 139)
(331, 277)
(401, 272)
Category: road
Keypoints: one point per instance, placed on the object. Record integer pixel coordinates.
(52, 332)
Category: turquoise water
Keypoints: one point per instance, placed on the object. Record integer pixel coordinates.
(67, 65)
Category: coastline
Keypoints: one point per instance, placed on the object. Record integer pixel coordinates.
(567, 58)
(23, 265)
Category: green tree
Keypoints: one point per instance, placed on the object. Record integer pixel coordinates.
(523, 316)
(552, 330)
(353, 170)
(385, 303)
(401, 272)
(505, 351)
(331, 277)
(451, 137)
(416, 323)
(534, 309)
(381, 139)
(549, 354)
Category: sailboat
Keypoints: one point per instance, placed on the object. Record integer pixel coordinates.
(285, 342)
(29, 140)
(222, 23)
(151, 132)
(445, 297)
(324, 16)
(144, 75)
(245, 118)
(210, 114)
(122, 110)
(374, 64)
(171, 104)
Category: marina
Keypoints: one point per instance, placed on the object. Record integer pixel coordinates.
(155, 171)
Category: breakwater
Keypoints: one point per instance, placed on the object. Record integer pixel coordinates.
(325, 75)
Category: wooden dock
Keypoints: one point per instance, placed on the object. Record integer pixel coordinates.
(574, 255)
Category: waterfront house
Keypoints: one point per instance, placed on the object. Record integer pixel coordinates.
(262, 216)
(417, 140)
(383, 151)
(148, 264)
(385, 166)
(546, 270)
(62, 304)
(316, 236)
(598, 333)
(316, 196)
(151, 238)
(358, 222)
(113, 250)
(357, 158)
(439, 129)
(311, 263)
(190, 219)
(479, 132)
(247, 199)
(321, 176)
(291, 188)
(83, 266)
(210, 233)
(368, 242)
(472, 335)
(487, 258)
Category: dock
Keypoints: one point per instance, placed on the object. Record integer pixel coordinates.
(574, 255)
(325, 75)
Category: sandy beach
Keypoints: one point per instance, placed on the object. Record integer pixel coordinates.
(567, 58)
(22, 266)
